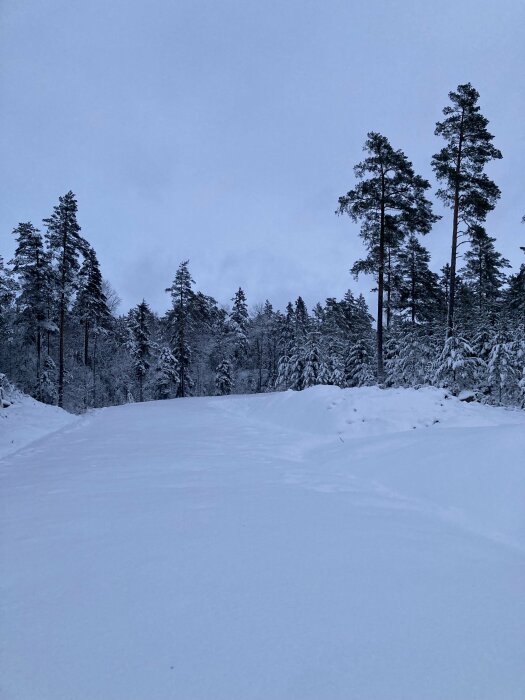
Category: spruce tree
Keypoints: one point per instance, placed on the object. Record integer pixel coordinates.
(358, 368)
(66, 245)
(181, 322)
(459, 166)
(458, 366)
(238, 321)
(32, 265)
(390, 202)
(7, 296)
(139, 343)
(91, 304)
(285, 349)
(418, 285)
(223, 378)
(166, 374)
(484, 269)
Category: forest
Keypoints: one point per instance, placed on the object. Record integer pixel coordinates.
(462, 327)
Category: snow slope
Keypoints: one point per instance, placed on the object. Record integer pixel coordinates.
(26, 420)
(358, 544)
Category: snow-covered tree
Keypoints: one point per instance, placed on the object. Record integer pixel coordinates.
(359, 364)
(181, 322)
(139, 343)
(457, 367)
(65, 245)
(223, 378)
(166, 374)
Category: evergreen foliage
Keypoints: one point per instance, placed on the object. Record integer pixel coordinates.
(63, 340)
(459, 167)
(390, 202)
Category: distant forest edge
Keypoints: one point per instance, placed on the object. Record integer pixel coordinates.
(463, 328)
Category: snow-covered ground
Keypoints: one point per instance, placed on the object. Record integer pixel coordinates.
(351, 544)
(26, 420)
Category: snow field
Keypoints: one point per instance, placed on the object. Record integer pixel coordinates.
(328, 544)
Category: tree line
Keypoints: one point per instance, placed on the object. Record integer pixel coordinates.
(62, 341)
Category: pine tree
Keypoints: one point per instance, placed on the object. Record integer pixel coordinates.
(47, 388)
(314, 369)
(239, 324)
(301, 319)
(390, 203)
(7, 295)
(458, 366)
(32, 265)
(223, 378)
(501, 370)
(409, 359)
(166, 374)
(91, 303)
(418, 285)
(139, 344)
(66, 245)
(484, 269)
(285, 349)
(359, 365)
(459, 166)
(181, 321)
(515, 295)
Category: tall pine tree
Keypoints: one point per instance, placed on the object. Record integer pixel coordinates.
(66, 245)
(390, 203)
(459, 166)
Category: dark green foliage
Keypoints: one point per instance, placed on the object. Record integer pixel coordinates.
(140, 347)
(389, 200)
(181, 321)
(65, 245)
(459, 167)
(483, 271)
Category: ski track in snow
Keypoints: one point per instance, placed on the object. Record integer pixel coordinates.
(325, 544)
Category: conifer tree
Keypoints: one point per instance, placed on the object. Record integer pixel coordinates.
(457, 365)
(91, 303)
(7, 296)
(314, 370)
(139, 344)
(286, 349)
(358, 368)
(66, 245)
(484, 269)
(418, 285)
(32, 265)
(166, 374)
(459, 166)
(390, 201)
(223, 378)
(239, 324)
(181, 321)
(500, 368)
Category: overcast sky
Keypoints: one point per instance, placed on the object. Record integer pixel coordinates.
(224, 131)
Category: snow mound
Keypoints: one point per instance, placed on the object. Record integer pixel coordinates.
(26, 420)
(369, 411)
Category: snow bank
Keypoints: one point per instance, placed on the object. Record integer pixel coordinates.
(369, 411)
(26, 420)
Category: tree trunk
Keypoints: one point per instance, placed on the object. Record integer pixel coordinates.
(413, 290)
(454, 248)
(380, 286)
(38, 362)
(86, 342)
(94, 365)
(61, 351)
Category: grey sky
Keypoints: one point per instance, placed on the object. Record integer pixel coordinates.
(224, 131)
